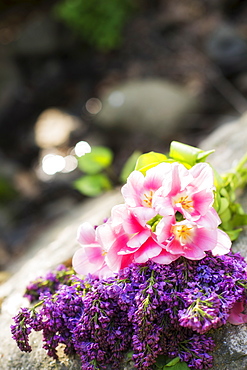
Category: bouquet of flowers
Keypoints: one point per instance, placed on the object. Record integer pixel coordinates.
(155, 278)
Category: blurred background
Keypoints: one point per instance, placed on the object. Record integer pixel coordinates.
(116, 78)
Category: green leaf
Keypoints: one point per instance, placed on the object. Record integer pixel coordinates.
(187, 154)
(129, 166)
(234, 234)
(160, 361)
(94, 162)
(178, 366)
(130, 355)
(149, 160)
(93, 185)
(224, 204)
(173, 362)
(226, 215)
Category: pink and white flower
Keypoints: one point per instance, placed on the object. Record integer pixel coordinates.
(142, 241)
(139, 189)
(99, 252)
(147, 226)
(192, 239)
(189, 192)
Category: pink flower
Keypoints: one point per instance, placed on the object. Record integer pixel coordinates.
(139, 189)
(90, 258)
(236, 316)
(168, 213)
(190, 238)
(141, 244)
(189, 192)
(99, 252)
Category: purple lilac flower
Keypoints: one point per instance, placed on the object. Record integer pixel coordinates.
(21, 329)
(60, 315)
(149, 308)
(49, 283)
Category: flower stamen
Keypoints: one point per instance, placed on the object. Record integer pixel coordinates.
(183, 233)
(148, 198)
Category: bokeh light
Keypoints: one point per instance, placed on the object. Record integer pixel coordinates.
(82, 148)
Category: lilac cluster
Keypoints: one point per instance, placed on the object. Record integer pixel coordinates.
(22, 328)
(103, 333)
(150, 309)
(56, 318)
(49, 283)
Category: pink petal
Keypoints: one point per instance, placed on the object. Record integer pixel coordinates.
(143, 214)
(86, 233)
(236, 316)
(176, 177)
(95, 254)
(223, 245)
(132, 189)
(117, 214)
(137, 240)
(147, 251)
(114, 259)
(205, 239)
(175, 247)
(155, 176)
(210, 220)
(105, 235)
(82, 265)
(104, 272)
(165, 258)
(203, 176)
(203, 201)
(181, 178)
(163, 229)
(193, 252)
(163, 204)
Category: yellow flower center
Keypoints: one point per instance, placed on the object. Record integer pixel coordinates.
(148, 198)
(186, 202)
(183, 233)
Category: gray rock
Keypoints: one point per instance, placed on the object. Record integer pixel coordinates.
(229, 141)
(231, 348)
(152, 106)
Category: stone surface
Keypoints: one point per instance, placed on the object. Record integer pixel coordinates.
(229, 141)
(58, 243)
(153, 106)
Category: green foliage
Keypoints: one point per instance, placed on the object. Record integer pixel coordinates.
(165, 363)
(98, 174)
(94, 182)
(149, 160)
(129, 166)
(231, 213)
(93, 185)
(96, 161)
(98, 22)
(187, 154)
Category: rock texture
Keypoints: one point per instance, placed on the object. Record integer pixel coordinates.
(229, 141)
(58, 243)
(153, 106)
